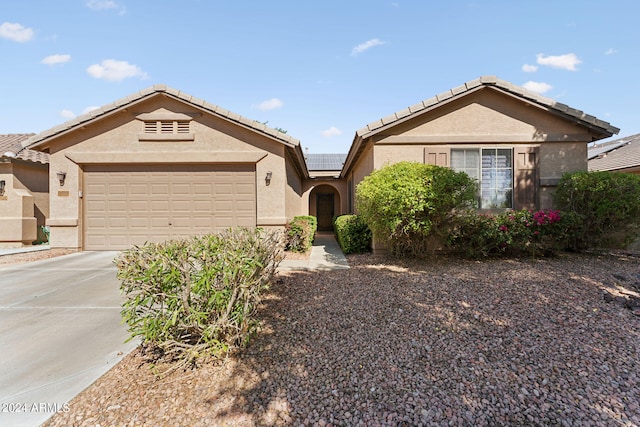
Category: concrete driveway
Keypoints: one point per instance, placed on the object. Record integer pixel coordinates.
(60, 330)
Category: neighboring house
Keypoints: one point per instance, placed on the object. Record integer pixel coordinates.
(620, 155)
(161, 164)
(24, 192)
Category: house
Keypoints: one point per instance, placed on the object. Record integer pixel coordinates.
(161, 164)
(620, 155)
(516, 143)
(24, 192)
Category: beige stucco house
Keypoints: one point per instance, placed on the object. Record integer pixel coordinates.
(24, 192)
(161, 164)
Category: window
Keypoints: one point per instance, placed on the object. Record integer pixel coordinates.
(493, 169)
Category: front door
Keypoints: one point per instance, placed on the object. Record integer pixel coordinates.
(325, 212)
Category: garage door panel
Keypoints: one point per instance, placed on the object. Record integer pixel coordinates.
(117, 189)
(129, 205)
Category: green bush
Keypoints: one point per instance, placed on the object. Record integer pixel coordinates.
(511, 233)
(353, 234)
(300, 232)
(408, 205)
(606, 206)
(197, 297)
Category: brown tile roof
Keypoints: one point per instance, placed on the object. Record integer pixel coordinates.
(619, 154)
(151, 91)
(484, 81)
(11, 147)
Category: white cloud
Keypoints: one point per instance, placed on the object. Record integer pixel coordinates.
(15, 32)
(115, 71)
(537, 87)
(529, 68)
(611, 51)
(565, 62)
(67, 114)
(269, 104)
(56, 59)
(332, 131)
(99, 5)
(366, 46)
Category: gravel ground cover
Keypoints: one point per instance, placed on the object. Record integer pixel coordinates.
(392, 343)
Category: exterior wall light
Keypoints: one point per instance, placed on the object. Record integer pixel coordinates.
(2, 184)
(61, 177)
(267, 178)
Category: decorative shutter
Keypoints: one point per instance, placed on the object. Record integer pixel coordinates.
(437, 155)
(526, 171)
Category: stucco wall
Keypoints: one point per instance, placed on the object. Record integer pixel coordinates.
(293, 191)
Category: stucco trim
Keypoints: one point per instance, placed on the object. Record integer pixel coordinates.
(166, 137)
(62, 222)
(166, 115)
(165, 157)
(271, 221)
(549, 182)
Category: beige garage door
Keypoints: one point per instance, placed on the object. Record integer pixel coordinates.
(131, 205)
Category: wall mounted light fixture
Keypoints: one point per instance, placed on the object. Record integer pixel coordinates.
(61, 177)
(2, 184)
(267, 179)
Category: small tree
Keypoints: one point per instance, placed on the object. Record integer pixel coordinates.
(407, 205)
(606, 206)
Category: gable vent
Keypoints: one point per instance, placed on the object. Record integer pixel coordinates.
(151, 127)
(182, 126)
(166, 126)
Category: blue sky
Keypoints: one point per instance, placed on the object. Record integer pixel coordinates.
(318, 69)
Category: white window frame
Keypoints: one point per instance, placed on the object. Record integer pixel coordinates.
(483, 186)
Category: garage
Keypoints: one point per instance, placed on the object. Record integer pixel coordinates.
(125, 205)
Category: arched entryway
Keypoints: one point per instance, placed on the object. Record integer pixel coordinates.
(324, 204)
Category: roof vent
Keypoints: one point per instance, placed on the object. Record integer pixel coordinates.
(10, 154)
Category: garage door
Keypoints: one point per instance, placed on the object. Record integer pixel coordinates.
(131, 205)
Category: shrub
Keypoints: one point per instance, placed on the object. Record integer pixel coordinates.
(197, 297)
(408, 205)
(606, 206)
(511, 233)
(353, 234)
(300, 232)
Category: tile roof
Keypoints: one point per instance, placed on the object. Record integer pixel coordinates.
(486, 81)
(325, 162)
(623, 153)
(151, 91)
(11, 147)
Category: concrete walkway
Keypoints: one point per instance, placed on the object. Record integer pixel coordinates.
(326, 255)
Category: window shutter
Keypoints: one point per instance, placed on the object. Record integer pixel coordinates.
(438, 156)
(526, 173)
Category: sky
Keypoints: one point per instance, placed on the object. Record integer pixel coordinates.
(318, 69)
